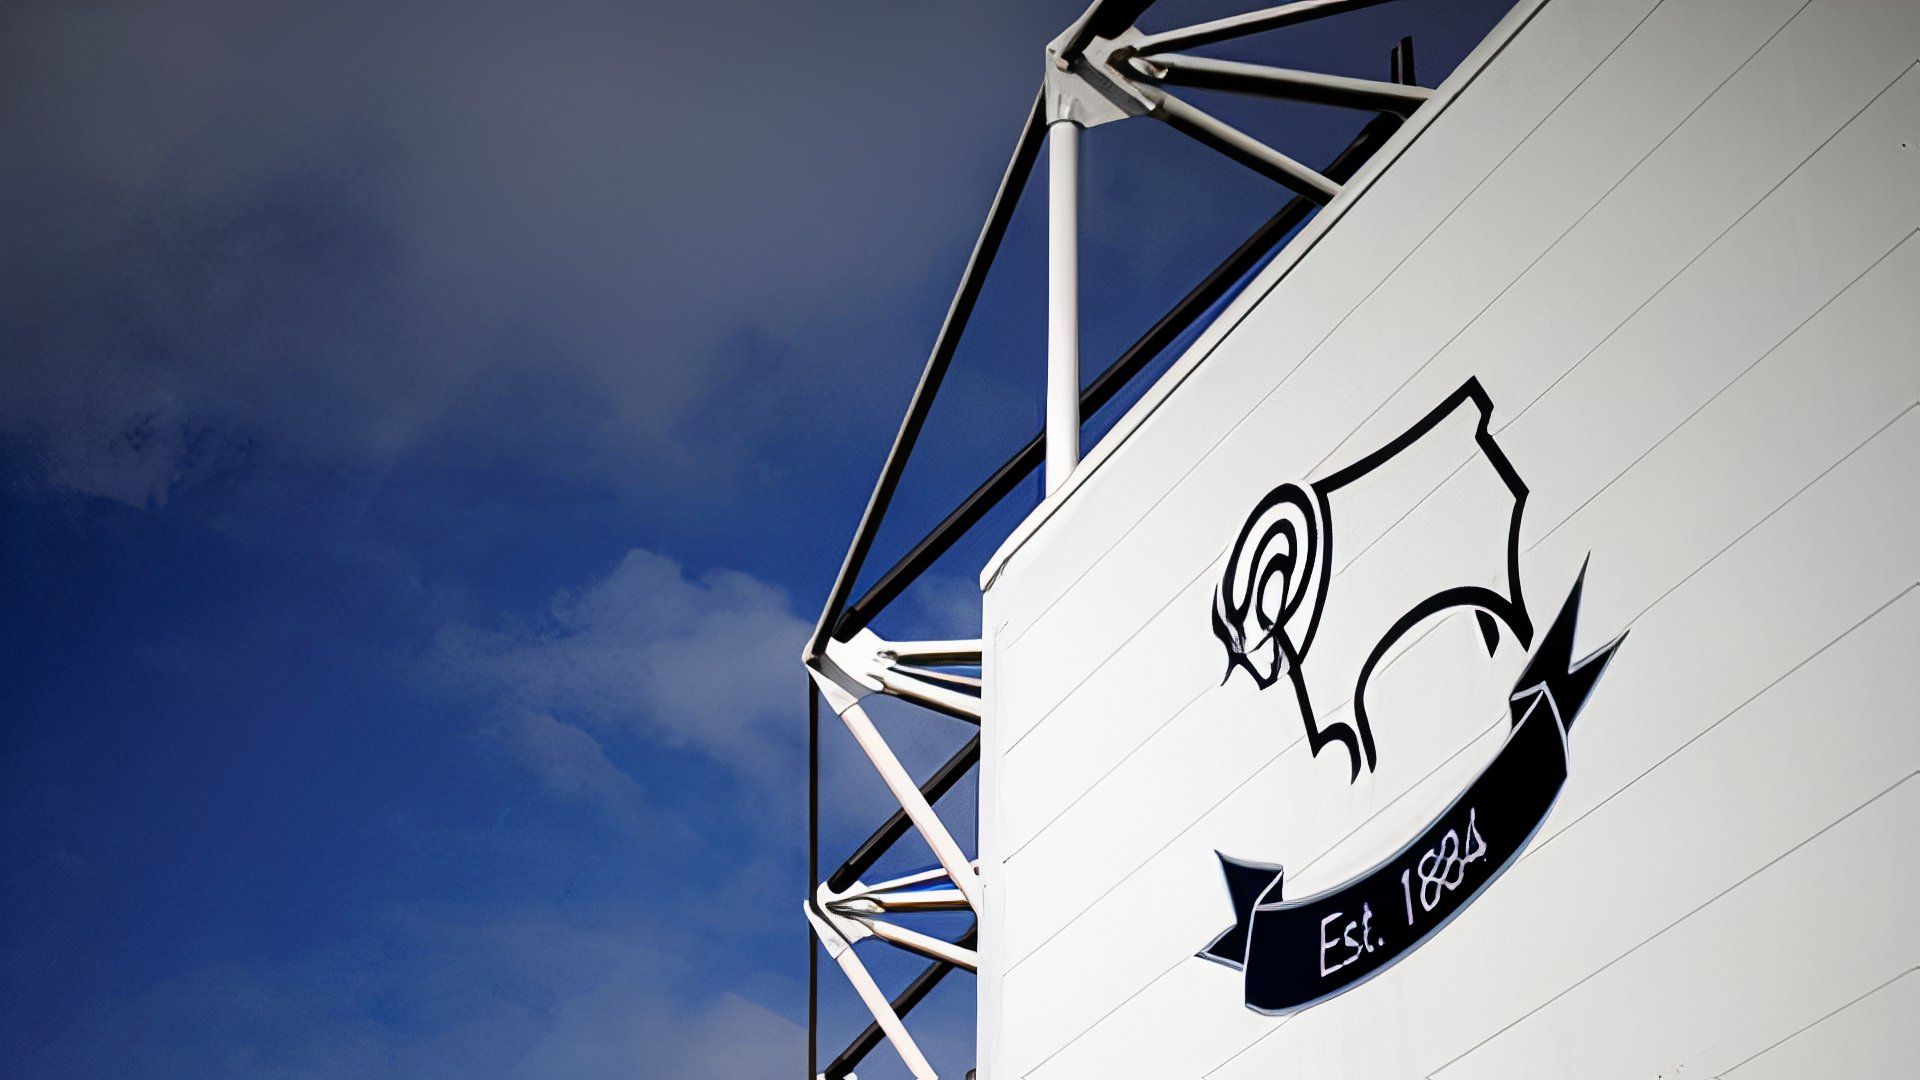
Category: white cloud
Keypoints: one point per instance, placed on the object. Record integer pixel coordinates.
(708, 663)
(571, 764)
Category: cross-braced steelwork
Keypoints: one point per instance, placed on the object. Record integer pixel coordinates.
(1102, 69)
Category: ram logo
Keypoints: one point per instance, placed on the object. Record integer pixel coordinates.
(1292, 606)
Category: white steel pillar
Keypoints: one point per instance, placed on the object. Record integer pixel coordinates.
(1063, 302)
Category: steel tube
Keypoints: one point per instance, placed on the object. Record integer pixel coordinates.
(923, 878)
(919, 810)
(1246, 149)
(876, 1002)
(1251, 22)
(1106, 386)
(1063, 302)
(1207, 73)
(937, 675)
(1025, 152)
(940, 698)
(925, 944)
(916, 991)
(895, 827)
(962, 651)
(918, 900)
(813, 874)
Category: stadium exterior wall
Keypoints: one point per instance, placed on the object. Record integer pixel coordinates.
(1636, 292)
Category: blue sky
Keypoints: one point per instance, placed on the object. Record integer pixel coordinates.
(425, 438)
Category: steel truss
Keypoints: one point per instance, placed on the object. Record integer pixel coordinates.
(1100, 70)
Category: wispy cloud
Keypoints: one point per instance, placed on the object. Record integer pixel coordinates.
(708, 663)
(571, 764)
(650, 659)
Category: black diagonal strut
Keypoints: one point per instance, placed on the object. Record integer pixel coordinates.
(841, 1067)
(889, 834)
(1026, 151)
(1108, 385)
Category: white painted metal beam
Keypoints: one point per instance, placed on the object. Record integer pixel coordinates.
(925, 944)
(1251, 22)
(1246, 149)
(1310, 86)
(872, 996)
(1063, 302)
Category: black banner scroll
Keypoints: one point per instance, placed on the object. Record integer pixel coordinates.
(1298, 953)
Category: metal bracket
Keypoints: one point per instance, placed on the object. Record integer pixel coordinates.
(870, 664)
(855, 915)
(848, 930)
(1089, 87)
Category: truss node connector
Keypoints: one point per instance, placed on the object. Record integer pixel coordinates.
(870, 664)
(926, 890)
(1089, 86)
(845, 931)
(888, 1020)
(856, 914)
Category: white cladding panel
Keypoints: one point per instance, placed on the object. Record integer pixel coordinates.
(1674, 242)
